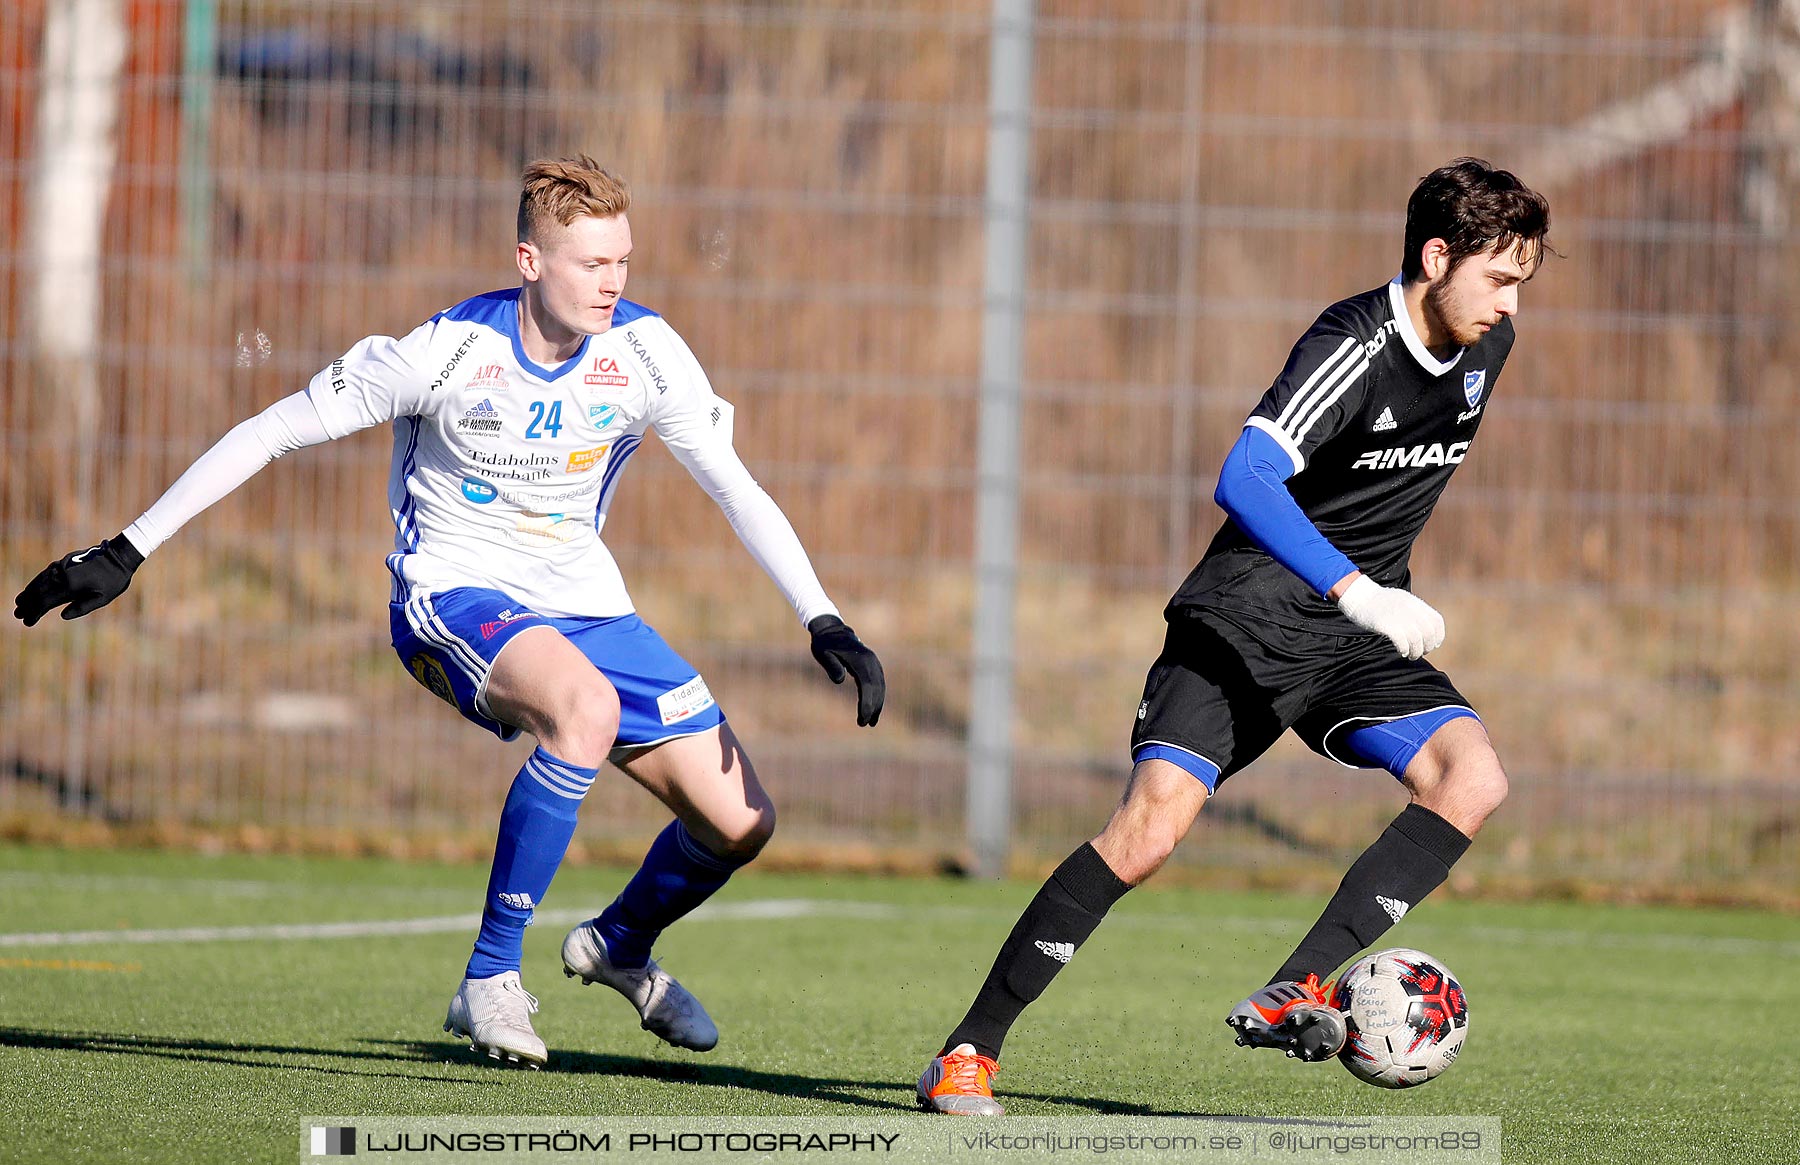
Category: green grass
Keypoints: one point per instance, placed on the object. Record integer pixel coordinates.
(1599, 1034)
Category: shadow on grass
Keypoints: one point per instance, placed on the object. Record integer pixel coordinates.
(892, 1096)
(209, 1051)
(896, 1095)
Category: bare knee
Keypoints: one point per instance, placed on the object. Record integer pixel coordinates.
(743, 837)
(582, 724)
(1159, 807)
(1457, 775)
(543, 684)
(1135, 863)
(1487, 789)
(1465, 791)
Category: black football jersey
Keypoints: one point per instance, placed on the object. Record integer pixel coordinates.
(1375, 426)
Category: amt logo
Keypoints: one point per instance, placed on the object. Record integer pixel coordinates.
(478, 491)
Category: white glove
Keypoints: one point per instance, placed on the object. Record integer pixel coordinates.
(1411, 624)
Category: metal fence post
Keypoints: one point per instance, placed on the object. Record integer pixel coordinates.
(997, 489)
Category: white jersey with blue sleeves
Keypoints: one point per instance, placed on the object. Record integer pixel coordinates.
(503, 470)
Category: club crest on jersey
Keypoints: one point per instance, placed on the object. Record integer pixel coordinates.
(1473, 383)
(603, 415)
(606, 371)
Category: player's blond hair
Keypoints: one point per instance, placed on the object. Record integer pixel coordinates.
(561, 190)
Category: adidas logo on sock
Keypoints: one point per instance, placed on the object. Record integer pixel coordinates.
(1395, 908)
(1061, 952)
(1385, 421)
(517, 901)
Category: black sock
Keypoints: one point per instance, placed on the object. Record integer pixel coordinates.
(1066, 910)
(1410, 859)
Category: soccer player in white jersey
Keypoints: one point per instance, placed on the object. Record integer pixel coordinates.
(514, 413)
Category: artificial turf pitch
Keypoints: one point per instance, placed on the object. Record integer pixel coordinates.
(1598, 1034)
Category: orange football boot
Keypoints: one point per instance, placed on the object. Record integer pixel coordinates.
(960, 1082)
(1295, 1017)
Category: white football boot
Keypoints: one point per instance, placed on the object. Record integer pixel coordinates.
(665, 1006)
(495, 1016)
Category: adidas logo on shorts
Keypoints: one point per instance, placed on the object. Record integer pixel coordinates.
(1061, 952)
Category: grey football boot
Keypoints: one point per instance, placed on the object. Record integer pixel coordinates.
(665, 1006)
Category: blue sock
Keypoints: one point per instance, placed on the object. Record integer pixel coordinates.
(678, 874)
(535, 828)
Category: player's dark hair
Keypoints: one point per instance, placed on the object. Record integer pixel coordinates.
(1474, 207)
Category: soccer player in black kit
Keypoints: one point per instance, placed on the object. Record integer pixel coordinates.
(1301, 615)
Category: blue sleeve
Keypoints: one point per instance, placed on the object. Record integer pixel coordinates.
(1253, 490)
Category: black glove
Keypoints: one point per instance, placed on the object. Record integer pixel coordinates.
(841, 653)
(86, 580)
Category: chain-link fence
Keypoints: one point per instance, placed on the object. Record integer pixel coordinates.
(203, 203)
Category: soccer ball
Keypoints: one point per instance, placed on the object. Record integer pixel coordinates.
(1406, 1015)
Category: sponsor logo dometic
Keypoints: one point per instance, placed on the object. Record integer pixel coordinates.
(456, 358)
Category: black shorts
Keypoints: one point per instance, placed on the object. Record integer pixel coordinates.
(1227, 686)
